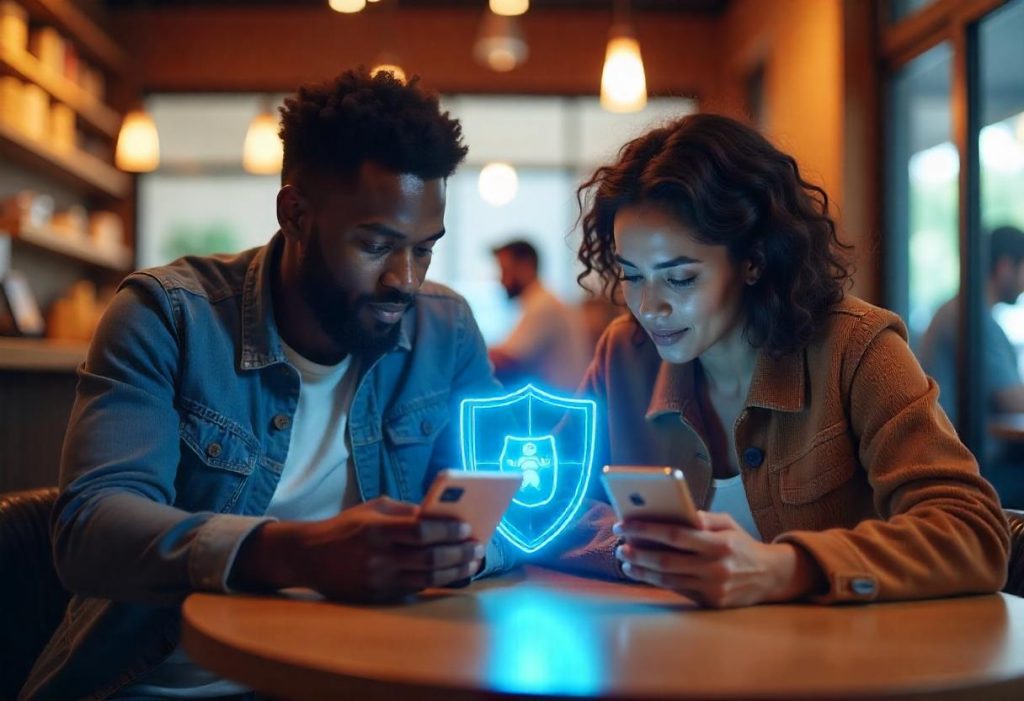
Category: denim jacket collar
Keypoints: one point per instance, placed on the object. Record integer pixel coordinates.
(261, 340)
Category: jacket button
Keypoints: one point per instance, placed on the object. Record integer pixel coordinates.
(753, 457)
(214, 450)
(426, 427)
(862, 586)
(282, 421)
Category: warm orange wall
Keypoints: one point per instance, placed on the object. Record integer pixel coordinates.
(800, 43)
(804, 44)
(804, 48)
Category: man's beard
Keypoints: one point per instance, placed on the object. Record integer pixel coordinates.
(514, 290)
(339, 318)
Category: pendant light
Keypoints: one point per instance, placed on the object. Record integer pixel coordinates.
(500, 44)
(509, 8)
(623, 84)
(138, 144)
(347, 7)
(263, 152)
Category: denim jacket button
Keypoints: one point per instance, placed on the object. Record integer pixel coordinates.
(282, 421)
(426, 427)
(753, 457)
(214, 450)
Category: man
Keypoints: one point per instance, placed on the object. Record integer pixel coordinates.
(1004, 389)
(1003, 384)
(548, 345)
(241, 421)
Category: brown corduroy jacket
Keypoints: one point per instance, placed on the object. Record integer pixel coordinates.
(843, 451)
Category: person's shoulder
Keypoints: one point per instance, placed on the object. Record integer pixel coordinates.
(853, 317)
(851, 326)
(214, 277)
(622, 336)
(435, 296)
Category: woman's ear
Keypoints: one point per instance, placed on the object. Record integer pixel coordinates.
(294, 215)
(754, 266)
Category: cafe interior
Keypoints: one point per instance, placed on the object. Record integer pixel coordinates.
(135, 132)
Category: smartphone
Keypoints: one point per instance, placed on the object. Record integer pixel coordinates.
(650, 493)
(478, 498)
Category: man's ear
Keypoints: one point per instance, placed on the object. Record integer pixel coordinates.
(294, 214)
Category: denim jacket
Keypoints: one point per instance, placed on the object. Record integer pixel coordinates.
(177, 440)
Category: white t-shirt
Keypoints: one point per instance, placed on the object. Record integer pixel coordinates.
(317, 482)
(550, 340)
(729, 497)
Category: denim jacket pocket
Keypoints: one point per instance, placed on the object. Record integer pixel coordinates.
(411, 431)
(218, 456)
(417, 422)
(827, 466)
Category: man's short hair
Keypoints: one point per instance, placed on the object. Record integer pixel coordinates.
(1006, 242)
(334, 127)
(520, 250)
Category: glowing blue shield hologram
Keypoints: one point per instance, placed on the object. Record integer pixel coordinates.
(547, 439)
(536, 459)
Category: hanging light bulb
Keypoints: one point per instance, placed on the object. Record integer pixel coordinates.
(138, 144)
(500, 44)
(263, 152)
(509, 8)
(387, 64)
(347, 6)
(498, 184)
(623, 84)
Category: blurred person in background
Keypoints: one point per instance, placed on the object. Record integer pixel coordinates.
(1003, 462)
(548, 346)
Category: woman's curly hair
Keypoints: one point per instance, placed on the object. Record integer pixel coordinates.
(731, 187)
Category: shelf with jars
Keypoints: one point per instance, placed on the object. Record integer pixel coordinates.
(58, 132)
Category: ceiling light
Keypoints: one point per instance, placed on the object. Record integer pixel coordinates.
(498, 184)
(138, 144)
(387, 63)
(509, 8)
(500, 44)
(347, 6)
(623, 84)
(263, 152)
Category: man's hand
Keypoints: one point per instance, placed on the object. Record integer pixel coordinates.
(718, 565)
(377, 551)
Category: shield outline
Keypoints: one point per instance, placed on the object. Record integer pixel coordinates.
(467, 443)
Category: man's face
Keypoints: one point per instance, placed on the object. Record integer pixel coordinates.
(367, 253)
(1009, 280)
(513, 274)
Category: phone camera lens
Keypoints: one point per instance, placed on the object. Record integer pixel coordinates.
(451, 494)
(637, 499)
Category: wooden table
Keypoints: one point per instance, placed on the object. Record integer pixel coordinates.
(1008, 427)
(542, 634)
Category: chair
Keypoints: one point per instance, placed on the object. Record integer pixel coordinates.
(32, 600)
(1015, 578)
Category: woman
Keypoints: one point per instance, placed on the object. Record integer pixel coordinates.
(805, 427)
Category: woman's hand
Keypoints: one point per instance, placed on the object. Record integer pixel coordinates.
(718, 565)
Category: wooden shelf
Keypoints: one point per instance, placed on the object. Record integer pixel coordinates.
(41, 355)
(88, 37)
(77, 169)
(94, 113)
(120, 260)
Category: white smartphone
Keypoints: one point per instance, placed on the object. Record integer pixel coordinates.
(650, 493)
(478, 498)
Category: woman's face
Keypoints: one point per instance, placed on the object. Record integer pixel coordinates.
(687, 295)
